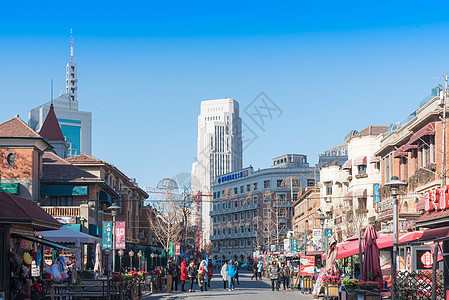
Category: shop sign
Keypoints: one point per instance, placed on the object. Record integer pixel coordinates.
(107, 235)
(427, 259)
(233, 176)
(437, 199)
(287, 244)
(120, 235)
(178, 249)
(294, 245)
(307, 265)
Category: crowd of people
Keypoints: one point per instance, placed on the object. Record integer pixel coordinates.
(277, 272)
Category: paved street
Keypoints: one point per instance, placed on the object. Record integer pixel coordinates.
(247, 289)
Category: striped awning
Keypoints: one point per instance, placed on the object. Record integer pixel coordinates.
(360, 161)
(400, 152)
(409, 147)
(360, 193)
(429, 129)
(347, 165)
(374, 159)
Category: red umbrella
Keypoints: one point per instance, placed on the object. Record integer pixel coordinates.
(371, 260)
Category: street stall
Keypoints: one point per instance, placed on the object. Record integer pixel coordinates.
(20, 250)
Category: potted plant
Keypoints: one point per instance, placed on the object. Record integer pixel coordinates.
(349, 289)
(370, 290)
(331, 285)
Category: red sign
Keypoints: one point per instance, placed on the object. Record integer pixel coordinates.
(229, 252)
(307, 267)
(178, 249)
(437, 199)
(120, 235)
(427, 259)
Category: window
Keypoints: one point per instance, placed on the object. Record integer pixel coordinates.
(310, 182)
(266, 184)
(254, 213)
(229, 218)
(236, 217)
(224, 219)
(248, 215)
(255, 186)
(235, 191)
(242, 202)
(248, 243)
(362, 204)
(328, 188)
(278, 182)
(218, 206)
(218, 231)
(282, 196)
(266, 198)
(248, 187)
(266, 212)
(242, 243)
(403, 168)
(362, 169)
(255, 199)
(236, 203)
(241, 189)
(235, 230)
(242, 229)
(215, 232)
(242, 216)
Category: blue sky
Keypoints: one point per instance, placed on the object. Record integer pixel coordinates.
(144, 67)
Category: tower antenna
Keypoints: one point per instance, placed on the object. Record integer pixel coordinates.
(71, 46)
(51, 93)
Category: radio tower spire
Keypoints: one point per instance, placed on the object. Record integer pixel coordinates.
(71, 46)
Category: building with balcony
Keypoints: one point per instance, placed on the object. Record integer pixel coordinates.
(253, 209)
(304, 219)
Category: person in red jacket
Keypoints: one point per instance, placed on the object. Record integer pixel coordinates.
(210, 271)
(183, 275)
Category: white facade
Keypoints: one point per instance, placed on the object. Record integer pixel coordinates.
(219, 150)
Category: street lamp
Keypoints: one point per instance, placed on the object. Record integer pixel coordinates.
(107, 252)
(322, 218)
(152, 260)
(121, 253)
(394, 185)
(139, 255)
(131, 254)
(114, 208)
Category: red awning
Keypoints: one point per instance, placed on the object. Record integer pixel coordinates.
(400, 152)
(351, 247)
(409, 147)
(348, 197)
(361, 193)
(374, 159)
(429, 129)
(433, 234)
(347, 165)
(360, 161)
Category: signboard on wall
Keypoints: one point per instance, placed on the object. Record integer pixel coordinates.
(294, 245)
(120, 235)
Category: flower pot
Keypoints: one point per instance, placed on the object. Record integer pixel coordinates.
(331, 289)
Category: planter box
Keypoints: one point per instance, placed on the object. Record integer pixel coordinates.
(368, 295)
(331, 290)
(348, 295)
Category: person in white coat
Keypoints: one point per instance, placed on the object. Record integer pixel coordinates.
(224, 274)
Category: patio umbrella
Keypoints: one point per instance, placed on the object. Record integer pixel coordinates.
(371, 260)
(98, 269)
(331, 257)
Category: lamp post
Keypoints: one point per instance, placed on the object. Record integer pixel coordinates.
(139, 255)
(107, 252)
(121, 253)
(152, 260)
(322, 218)
(394, 185)
(131, 254)
(114, 208)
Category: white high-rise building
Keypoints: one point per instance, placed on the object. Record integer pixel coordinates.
(219, 150)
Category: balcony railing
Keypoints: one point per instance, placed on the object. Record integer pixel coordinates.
(62, 211)
(233, 209)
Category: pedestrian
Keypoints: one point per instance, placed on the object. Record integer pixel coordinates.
(285, 275)
(224, 274)
(259, 269)
(254, 270)
(170, 272)
(175, 276)
(232, 271)
(201, 275)
(273, 271)
(237, 267)
(191, 273)
(183, 276)
(210, 272)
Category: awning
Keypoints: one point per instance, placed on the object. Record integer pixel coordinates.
(374, 159)
(67, 235)
(43, 242)
(64, 190)
(360, 161)
(361, 193)
(347, 165)
(429, 129)
(433, 218)
(435, 234)
(409, 147)
(348, 197)
(400, 152)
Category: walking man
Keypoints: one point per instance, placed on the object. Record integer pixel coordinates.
(254, 270)
(232, 271)
(285, 275)
(191, 273)
(274, 271)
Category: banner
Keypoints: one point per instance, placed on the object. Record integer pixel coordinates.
(317, 240)
(107, 235)
(307, 267)
(287, 245)
(120, 235)
(171, 248)
(294, 246)
(178, 249)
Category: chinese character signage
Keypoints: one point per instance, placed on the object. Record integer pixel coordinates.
(171, 248)
(307, 267)
(120, 235)
(317, 239)
(107, 235)
(294, 245)
(178, 249)
(287, 244)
